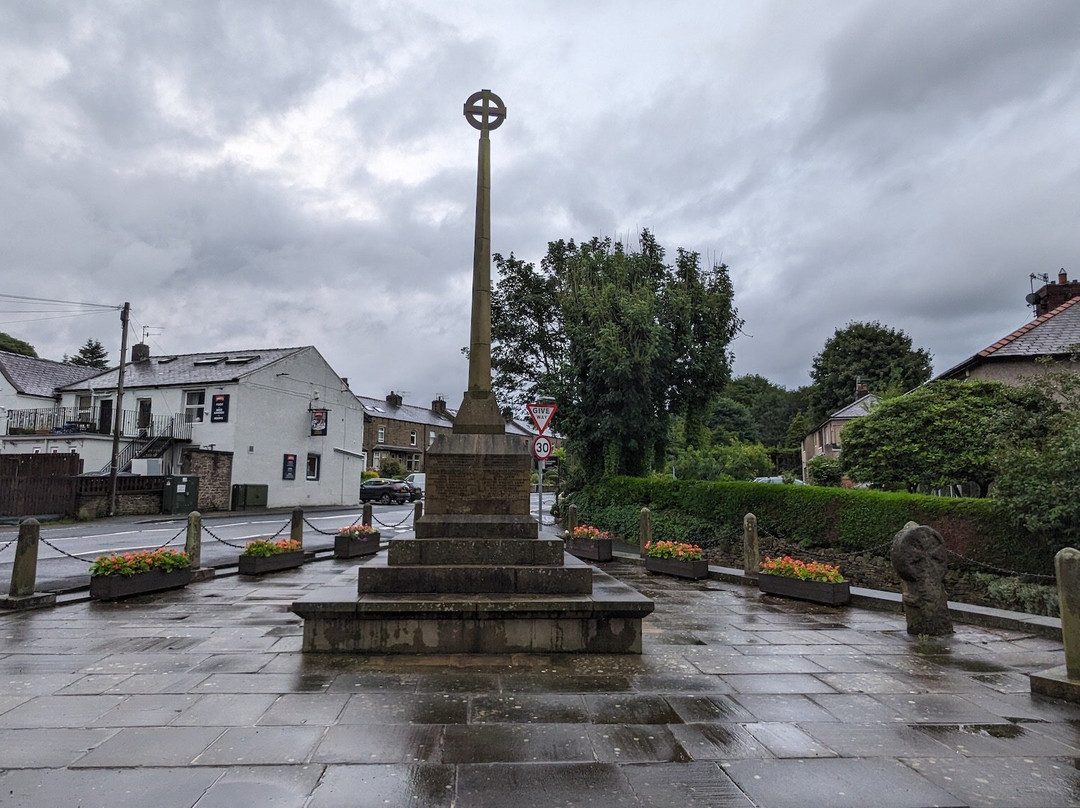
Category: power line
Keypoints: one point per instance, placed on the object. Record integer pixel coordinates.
(64, 302)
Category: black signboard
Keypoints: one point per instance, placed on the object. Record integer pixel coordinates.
(318, 422)
(288, 467)
(219, 408)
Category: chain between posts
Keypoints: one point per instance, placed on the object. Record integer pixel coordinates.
(226, 543)
(330, 532)
(408, 516)
(7, 544)
(65, 552)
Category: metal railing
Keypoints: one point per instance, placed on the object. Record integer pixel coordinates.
(73, 420)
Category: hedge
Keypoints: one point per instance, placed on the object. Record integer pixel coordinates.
(711, 514)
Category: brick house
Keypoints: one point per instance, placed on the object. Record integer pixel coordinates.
(825, 439)
(1053, 334)
(402, 432)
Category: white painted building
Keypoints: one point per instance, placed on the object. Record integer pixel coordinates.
(290, 422)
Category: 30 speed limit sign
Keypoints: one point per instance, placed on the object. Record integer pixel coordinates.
(542, 448)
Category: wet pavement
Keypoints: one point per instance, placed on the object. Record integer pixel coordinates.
(201, 697)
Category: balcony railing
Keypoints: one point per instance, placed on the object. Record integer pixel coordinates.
(74, 420)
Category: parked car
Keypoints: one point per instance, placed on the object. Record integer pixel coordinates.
(380, 489)
(416, 481)
(795, 481)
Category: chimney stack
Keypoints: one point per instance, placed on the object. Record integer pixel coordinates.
(438, 406)
(140, 352)
(862, 388)
(1052, 295)
(393, 399)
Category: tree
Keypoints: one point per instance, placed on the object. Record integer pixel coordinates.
(881, 357)
(730, 460)
(17, 346)
(622, 340)
(730, 418)
(825, 471)
(91, 355)
(771, 406)
(943, 433)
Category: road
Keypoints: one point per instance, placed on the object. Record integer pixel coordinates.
(223, 538)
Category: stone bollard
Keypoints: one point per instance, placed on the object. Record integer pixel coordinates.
(193, 548)
(366, 518)
(1067, 569)
(418, 511)
(193, 542)
(751, 553)
(571, 518)
(644, 530)
(296, 529)
(919, 557)
(21, 595)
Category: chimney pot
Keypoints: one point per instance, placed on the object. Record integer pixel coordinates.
(140, 352)
(1062, 277)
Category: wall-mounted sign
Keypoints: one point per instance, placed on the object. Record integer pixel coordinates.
(288, 467)
(318, 422)
(219, 408)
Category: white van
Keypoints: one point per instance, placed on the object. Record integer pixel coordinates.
(418, 482)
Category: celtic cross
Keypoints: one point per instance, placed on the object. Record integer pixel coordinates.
(485, 111)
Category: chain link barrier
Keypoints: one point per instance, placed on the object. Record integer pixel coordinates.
(331, 532)
(183, 532)
(408, 516)
(223, 541)
(66, 553)
(7, 544)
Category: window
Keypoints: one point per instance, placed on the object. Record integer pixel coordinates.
(412, 462)
(194, 402)
(431, 437)
(314, 461)
(412, 438)
(85, 403)
(381, 435)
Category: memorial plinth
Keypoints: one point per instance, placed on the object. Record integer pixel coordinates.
(477, 578)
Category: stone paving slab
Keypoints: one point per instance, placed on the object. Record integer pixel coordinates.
(201, 697)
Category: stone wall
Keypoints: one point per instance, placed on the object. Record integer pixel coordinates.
(214, 470)
(130, 504)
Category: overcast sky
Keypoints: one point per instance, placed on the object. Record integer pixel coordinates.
(256, 174)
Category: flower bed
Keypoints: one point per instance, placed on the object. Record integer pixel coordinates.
(676, 558)
(814, 581)
(356, 540)
(139, 572)
(588, 542)
(267, 555)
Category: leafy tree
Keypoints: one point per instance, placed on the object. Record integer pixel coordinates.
(881, 357)
(729, 418)
(771, 406)
(621, 339)
(17, 346)
(943, 433)
(391, 468)
(91, 355)
(824, 471)
(731, 460)
(797, 429)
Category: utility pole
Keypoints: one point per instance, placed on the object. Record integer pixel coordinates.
(118, 418)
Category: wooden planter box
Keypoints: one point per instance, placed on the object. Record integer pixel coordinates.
(816, 591)
(590, 549)
(351, 547)
(694, 570)
(256, 565)
(114, 587)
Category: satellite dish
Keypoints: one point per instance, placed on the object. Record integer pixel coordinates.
(1032, 298)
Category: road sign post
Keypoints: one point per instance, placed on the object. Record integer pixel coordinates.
(541, 451)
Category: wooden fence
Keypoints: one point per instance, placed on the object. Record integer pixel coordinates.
(38, 484)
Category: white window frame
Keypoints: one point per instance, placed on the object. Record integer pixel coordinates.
(194, 412)
(380, 435)
(412, 438)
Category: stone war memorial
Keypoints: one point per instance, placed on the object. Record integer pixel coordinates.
(477, 578)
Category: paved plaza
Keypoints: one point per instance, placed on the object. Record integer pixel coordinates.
(201, 697)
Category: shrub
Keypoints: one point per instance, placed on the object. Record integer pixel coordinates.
(679, 551)
(711, 514)
(140, 561)
(824, 471)
(264, 548)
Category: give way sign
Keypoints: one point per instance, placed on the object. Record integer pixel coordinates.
(541, 414)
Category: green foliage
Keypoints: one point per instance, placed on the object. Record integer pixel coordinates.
(771, 407)
(91, 355)
(880, 356)
(369, 474)
(17, 346)
(622, 340)
(391, 468)
(137, 561)
(264, 548)
(824, 471)
(711, 514)
(1018, 595)
(943, 433)
(730, 419)
(725, 461)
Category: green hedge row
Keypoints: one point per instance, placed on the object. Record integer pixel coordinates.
(711, 514)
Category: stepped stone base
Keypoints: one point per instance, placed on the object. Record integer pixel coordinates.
(572, 578)
(1056, 684)
(607, 620)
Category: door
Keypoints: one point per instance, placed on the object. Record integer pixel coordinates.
(143, 415)
(105, 417)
